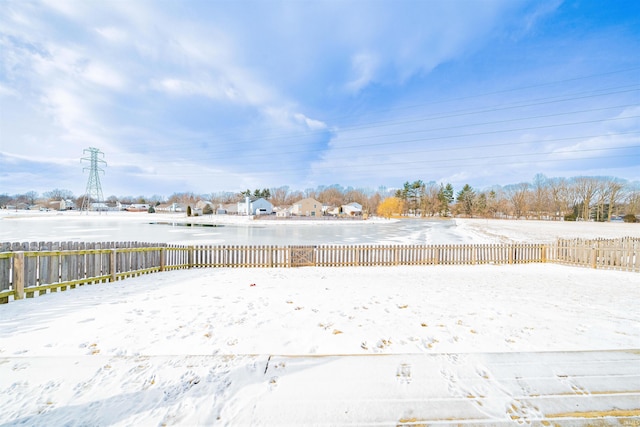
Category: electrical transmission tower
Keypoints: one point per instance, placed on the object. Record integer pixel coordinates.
(93, 194)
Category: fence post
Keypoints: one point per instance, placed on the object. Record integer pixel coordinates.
(594, 256)
(18, 275)
(113, 271)
(163, 258)
(190, 260)
(543, 250)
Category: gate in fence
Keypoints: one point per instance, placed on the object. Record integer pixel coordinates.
(302, 256)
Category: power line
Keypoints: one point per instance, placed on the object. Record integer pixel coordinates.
(422, 139)
(373, 168)
(233, 144)
(443, 101)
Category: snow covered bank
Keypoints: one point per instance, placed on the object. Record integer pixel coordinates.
(214, 347)
(178, 217)
(507, 231)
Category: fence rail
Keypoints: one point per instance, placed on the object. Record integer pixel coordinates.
(30, 268)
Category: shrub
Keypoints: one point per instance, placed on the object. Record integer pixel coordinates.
(151, 209)
(570, 217)
(630, 218)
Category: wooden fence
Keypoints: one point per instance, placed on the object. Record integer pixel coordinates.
(30, 268)
(615, 254)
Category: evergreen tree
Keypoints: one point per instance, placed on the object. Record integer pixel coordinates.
(466, 197)
(445, 198)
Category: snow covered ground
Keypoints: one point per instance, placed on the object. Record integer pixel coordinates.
(506, 231)
(536, 344)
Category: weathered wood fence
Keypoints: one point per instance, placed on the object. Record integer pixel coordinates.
(616, 254)
(33, 268)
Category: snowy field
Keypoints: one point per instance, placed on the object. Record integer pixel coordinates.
(536, 344)
(533, 231)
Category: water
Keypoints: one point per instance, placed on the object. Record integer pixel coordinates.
(155, 230)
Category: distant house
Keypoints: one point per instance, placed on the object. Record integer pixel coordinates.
(352, 209)
(255, 206)
(333, 210)
(307, 207)
(99, 206)
(283, 212)
(138, 207)
(205, 207)
(61, 205)
(171, 207)
(229, 208)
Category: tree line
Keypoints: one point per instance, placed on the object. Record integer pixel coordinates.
(578, 198)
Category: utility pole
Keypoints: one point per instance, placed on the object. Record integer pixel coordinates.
(93, 194)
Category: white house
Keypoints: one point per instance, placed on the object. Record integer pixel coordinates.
(171, 207)
(67, 205)
(284, 212)
(352, 209)
(99, 206)
(257, 206)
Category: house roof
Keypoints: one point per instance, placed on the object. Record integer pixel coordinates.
(308, 199)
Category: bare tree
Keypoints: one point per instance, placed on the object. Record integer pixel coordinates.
(600, 200)
(429, 203)
(632, 199)
(540, 195)
(310, 193)
(183, 198)
(586, 189)
(373, 203)
(518, 195)
(58, 194)
(279, 195)
(30, 197)
(223, 198)
(357, 196)
(559, 195)
(615, 190)
(293, 197)
(5, 199)
(331, 196)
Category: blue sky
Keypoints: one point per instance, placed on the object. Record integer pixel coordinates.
(209, 96)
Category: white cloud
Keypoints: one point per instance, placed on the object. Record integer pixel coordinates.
(284, 118)
(364, 66)
(113, 34)
(104, 75)
(8, 91)
(310, 123)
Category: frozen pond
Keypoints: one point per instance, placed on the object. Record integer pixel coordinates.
(162, 230)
